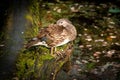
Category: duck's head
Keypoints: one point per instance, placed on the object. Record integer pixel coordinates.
(63, 22)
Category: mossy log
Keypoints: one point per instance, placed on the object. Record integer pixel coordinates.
(50, 68)
(34, 65)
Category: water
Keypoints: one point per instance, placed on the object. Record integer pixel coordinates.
(15, 41)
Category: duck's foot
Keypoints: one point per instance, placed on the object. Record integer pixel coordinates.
(59, 55)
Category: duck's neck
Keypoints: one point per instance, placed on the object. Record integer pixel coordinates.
(71, 30)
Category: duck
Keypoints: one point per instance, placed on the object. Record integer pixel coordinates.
(54, 35)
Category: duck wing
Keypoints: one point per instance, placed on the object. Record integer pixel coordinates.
(50, 36)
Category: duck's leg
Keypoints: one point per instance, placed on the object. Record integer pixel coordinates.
(55, 49)
(52, 51)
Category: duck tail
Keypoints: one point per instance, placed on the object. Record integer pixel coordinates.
(32, 42)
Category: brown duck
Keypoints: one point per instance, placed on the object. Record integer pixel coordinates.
(54, 35)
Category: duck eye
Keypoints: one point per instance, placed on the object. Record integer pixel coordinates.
(61, 22)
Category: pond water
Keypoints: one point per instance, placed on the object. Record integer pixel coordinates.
(14, 31)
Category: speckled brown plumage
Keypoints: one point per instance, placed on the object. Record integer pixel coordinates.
(55, 34)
